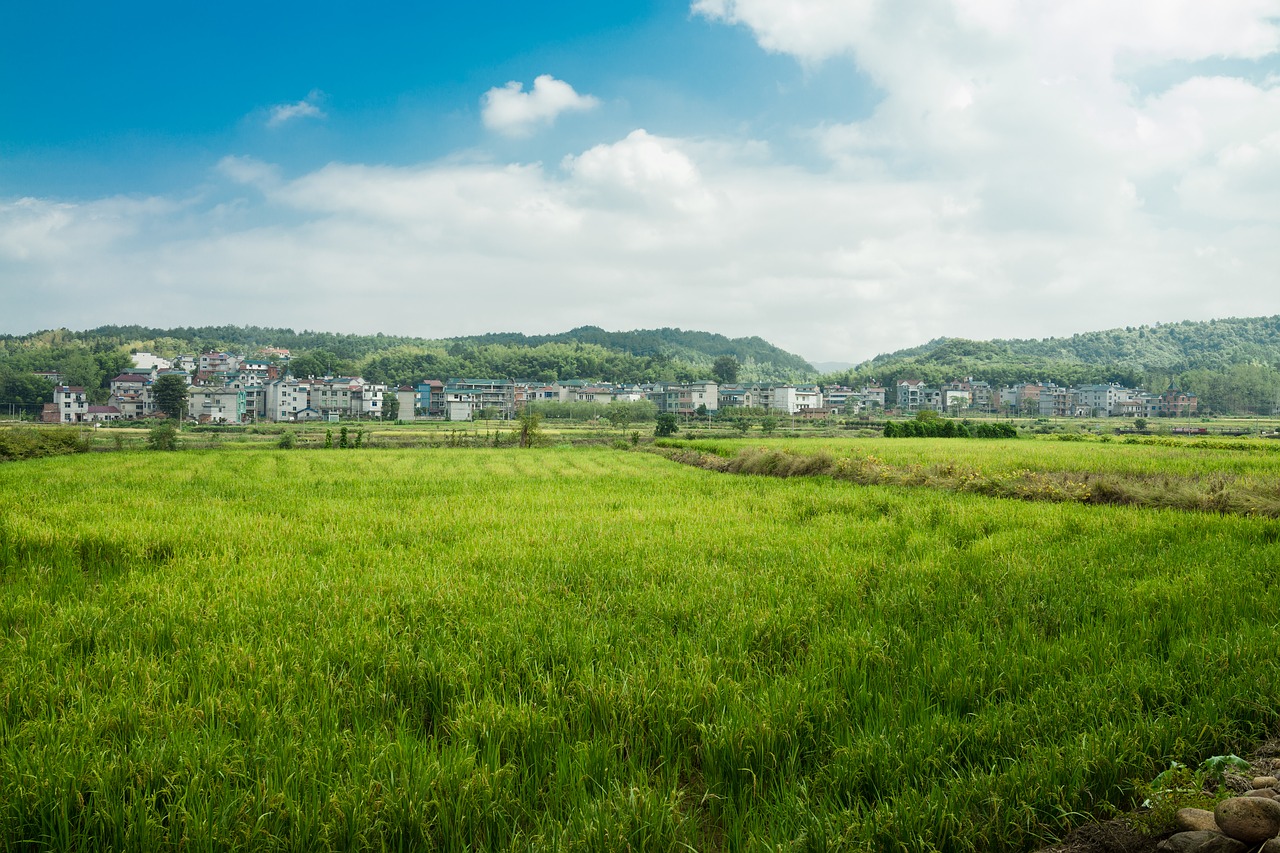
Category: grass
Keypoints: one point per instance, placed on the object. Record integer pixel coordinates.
(1239, 477)
(592, 650)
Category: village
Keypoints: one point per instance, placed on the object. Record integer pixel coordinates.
(232, 389)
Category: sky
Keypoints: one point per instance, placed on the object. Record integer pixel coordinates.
(840, 177)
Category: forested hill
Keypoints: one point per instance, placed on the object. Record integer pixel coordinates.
(1168, 348)
(90, 358)
(700, 348)
(1233, 364)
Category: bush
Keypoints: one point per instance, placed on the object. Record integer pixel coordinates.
(163, 436)
(288, 440)
(33, 443)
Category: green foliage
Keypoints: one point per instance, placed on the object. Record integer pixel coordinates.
(618, 412)
(170, 392)
(666, 425)
(529, 432)
(1179, 788)
(390, 405)
(328, 439)
(343, 438)
(162, 436)
(768, 424)
(288, 440)
(725, 370)
(26, 443)
(933, 426)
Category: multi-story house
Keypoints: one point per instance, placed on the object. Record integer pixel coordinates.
(1099, 400)
(72, 403)
(366, 401)
(806, 397)
(687, 398)
(871, 396)
(285, 399)
(984, 396)
(430, 403)
(332, 396)
(465, 398)
(131, 395)
(1177, 404)
(216, 405)
(738, 397)
(911, 395)
(1055, 401)
(407, 403)
(956, 395)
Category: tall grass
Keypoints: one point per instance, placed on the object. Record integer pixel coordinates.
(589, 650)
(1239, 478)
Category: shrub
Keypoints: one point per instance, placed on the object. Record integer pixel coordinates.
(163, 436)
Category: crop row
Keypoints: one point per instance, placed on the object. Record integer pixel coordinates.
(589, 649)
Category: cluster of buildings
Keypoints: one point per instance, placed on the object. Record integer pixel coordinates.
(1040, 399)
(227, 388)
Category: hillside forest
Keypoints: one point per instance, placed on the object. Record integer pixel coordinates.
(1232, 365)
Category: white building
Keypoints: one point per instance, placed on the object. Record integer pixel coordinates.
(72, 403)
(285, 398)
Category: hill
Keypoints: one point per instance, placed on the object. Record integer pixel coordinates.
(90, 358)
(1232, 364)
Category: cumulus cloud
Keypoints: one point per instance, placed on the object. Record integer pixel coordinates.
(1013, 180)
(514, 112)
(308, 107)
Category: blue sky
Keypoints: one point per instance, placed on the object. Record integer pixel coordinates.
(841, 177)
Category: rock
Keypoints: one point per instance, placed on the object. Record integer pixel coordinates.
(1202, 841)
(1249, 819)
(1265, 781)
(1272, 846)
(1193, 820)
(1261, 792)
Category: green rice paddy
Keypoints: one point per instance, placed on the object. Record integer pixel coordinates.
(591, 649)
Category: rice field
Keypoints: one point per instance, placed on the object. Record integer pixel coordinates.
(588, 649)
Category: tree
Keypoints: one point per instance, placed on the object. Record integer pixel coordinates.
(768, 424)
(529, 433)
(666, 425)
(618, 414)
(170, 393)
(390, 406)
(725, 370)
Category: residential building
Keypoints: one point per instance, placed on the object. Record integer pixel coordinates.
(911, 395)
(284, 399)
(216, 405)
(686, 398)
(102, 413)
(72, 403)
(430, 403)
(464, 399)
(407, 401)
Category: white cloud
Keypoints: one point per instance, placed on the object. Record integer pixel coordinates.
(308, 107)
(514, 112)
(1011, 181)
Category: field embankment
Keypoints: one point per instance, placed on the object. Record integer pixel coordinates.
(1241, 478)
(585, 650)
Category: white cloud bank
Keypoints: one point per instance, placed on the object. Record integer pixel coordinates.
(514, 112)
(308, 107)
(1011, 182)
